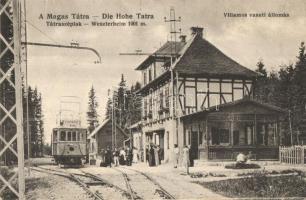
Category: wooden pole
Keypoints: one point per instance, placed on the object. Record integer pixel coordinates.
(18, 93)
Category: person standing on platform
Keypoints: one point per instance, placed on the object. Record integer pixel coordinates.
(160, 154)
(186, 159)
(176, 152)
(156, 155)
(147, 154)
(116, 157)
(129, 156)
(135, 155)
(108, 157)
(122, 155)
(102, 155)
(151, 156)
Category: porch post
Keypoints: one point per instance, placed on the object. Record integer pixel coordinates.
(207, 138)
(255, 130)
(232, 130)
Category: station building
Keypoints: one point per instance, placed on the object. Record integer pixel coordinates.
(193, 94)
(106, 135)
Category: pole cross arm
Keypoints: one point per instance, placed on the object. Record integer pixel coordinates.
(74, 46)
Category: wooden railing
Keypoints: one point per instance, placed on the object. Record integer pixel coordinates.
(292, 154)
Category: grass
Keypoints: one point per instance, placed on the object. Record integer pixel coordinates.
(31, 184)
(260, 185)
(7, 193)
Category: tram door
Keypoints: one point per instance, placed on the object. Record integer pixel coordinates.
(194, 147)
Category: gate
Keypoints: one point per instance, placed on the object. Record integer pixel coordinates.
(292, 155)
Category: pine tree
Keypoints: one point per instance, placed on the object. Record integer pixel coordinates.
(261, 89)
(7, 91)
(40, 124)
(121, 102)
(92, 114)
(108, 113)
(300, 86)
(135, 107)
(127, 104)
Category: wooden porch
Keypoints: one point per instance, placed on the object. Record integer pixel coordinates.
(246, 126)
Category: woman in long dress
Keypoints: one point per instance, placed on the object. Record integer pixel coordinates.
(135, 155)
(151, 157)
(108, 157)
(156, 156)
(186, 160)
(122, 157)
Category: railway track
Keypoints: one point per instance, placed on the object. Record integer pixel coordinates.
(87, 180)
(126, 193)
(74, 178)
(158, 190)
(132, 193)
(139, 182)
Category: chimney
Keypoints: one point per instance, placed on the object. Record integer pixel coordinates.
(197, 30)
(183, 38)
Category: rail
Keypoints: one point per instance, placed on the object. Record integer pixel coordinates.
(161, 189)
(72, 177)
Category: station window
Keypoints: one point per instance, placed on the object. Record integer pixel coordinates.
(69, 136)
(74, 136)
(144, 78)
(63, 136)
(150, 75)
(220, 136)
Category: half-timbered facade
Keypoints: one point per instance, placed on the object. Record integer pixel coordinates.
(183, 78)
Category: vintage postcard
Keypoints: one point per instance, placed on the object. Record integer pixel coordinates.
(152, 99)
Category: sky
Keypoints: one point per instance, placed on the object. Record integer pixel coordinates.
(58, 72)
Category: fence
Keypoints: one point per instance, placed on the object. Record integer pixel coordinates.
(292, 155)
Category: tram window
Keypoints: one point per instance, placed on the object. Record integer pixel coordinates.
(54, 136)
(73, 136)
(78, 136)
(81, 136)
(63, 135)
(69, 136)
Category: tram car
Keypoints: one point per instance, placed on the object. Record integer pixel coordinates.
(69, 143)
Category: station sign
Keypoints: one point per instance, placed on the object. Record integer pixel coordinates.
(70, 123)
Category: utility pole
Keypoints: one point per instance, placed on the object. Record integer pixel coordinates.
(173, 36)
(12, 45)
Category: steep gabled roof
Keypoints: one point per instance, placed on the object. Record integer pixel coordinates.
(203, 58)
(102, 125)
(168, 49)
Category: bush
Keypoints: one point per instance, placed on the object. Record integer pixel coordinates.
(242, 166)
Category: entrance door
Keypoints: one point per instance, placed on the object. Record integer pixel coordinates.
(194, 149)
(236, 137)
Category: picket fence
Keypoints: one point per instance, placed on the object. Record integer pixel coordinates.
(292, 154)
